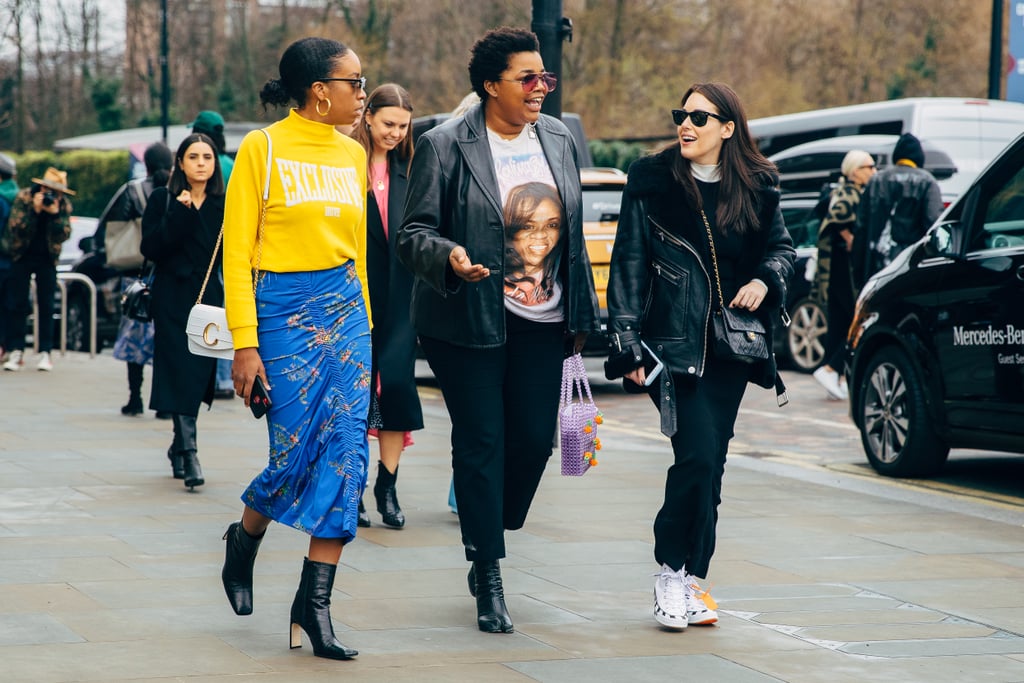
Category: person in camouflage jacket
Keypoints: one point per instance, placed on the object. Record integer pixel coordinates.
(40, 222)
(833, 282)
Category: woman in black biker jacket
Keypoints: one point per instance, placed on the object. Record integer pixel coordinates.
(662, 290)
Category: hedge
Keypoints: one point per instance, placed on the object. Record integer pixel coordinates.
(93, 175)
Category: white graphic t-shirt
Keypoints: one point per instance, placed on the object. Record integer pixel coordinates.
(534, 219)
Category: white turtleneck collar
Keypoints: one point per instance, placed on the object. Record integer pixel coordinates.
(707, 173)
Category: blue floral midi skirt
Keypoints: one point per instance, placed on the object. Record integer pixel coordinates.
(315, 344)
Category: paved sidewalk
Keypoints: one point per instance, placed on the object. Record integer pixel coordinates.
(109, 568)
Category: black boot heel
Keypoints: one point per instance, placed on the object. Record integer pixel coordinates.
(491, 613)
(239, 558)
(311, 612)
(387, 497)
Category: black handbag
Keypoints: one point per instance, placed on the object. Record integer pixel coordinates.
(738, 334)
(137, 299)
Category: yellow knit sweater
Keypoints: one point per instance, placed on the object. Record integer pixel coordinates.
(316, 214)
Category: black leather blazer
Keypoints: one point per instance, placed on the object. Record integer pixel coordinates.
(453, 200)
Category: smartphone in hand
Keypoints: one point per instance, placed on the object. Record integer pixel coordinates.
(652, 365)
(259, 399)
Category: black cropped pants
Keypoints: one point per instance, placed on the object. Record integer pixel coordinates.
(503, 404)
(706, 408)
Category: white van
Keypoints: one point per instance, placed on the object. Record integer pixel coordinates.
(971, 131)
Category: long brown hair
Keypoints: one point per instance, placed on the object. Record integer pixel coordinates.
(744, 169)
(386, 95)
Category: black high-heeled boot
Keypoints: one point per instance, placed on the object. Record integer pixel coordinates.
(387, 497)
(174, 452)
(185, 428)
(239, 558)
(177, 463)
(311, 612)
(491, 614)
(134, 405)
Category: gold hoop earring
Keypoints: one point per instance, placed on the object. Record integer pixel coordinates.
(317, 107)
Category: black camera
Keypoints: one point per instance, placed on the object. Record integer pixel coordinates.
(50, 198)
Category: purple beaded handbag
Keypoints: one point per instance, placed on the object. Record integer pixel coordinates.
(578, 419)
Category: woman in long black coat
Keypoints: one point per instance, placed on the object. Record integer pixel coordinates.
(385, 133)
(179, 234)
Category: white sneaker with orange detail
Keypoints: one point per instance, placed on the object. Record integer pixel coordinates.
(700, 606)
(670, 598)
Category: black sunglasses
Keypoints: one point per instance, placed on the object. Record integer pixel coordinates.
(529, 81)
(358, 83)
(697, 116)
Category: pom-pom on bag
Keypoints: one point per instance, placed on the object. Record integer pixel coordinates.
(578, 418)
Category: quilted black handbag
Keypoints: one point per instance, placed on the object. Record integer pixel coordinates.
(739, 334)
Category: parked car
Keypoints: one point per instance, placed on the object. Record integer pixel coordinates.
(971, 131)
(801, 346)
(602, 198)
(937, 340)
(811, 166)
(805, 173)
(77, 256)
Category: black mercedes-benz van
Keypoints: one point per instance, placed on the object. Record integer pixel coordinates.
(937, 340)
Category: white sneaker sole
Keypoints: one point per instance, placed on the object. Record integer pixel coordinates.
(703, 619)
(668, 621)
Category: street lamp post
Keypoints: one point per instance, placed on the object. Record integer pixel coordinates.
(165, 85)
(551, 29)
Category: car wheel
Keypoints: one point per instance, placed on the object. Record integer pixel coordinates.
(78, 323)
(806, 335)
(895, 426)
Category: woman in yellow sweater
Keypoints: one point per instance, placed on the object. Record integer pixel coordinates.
(296, 216)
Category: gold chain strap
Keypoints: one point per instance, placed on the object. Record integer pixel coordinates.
(714, 259)
(209, 268)
(259, 255)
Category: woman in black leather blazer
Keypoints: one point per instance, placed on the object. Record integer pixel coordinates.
(662, 290)
(497, 360)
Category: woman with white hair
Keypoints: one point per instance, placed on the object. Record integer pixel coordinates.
(834, 281)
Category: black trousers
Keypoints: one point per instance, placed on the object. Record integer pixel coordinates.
(503, 404)
(18, 302)
(684, 529)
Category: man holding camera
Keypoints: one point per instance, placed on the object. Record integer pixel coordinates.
(40, 222)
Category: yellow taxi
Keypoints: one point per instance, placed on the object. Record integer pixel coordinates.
(602, 195)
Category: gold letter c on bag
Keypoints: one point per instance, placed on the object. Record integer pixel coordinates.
(210, 338)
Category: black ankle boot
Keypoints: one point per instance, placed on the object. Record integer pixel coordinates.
(364, 518)
(185, 436)
(311, 612)
(134, 405)
(177, 463)
(239, 558)
(193, 471)
(491, 614)
(387, 497)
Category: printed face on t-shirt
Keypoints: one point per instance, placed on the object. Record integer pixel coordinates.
(533, 230)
